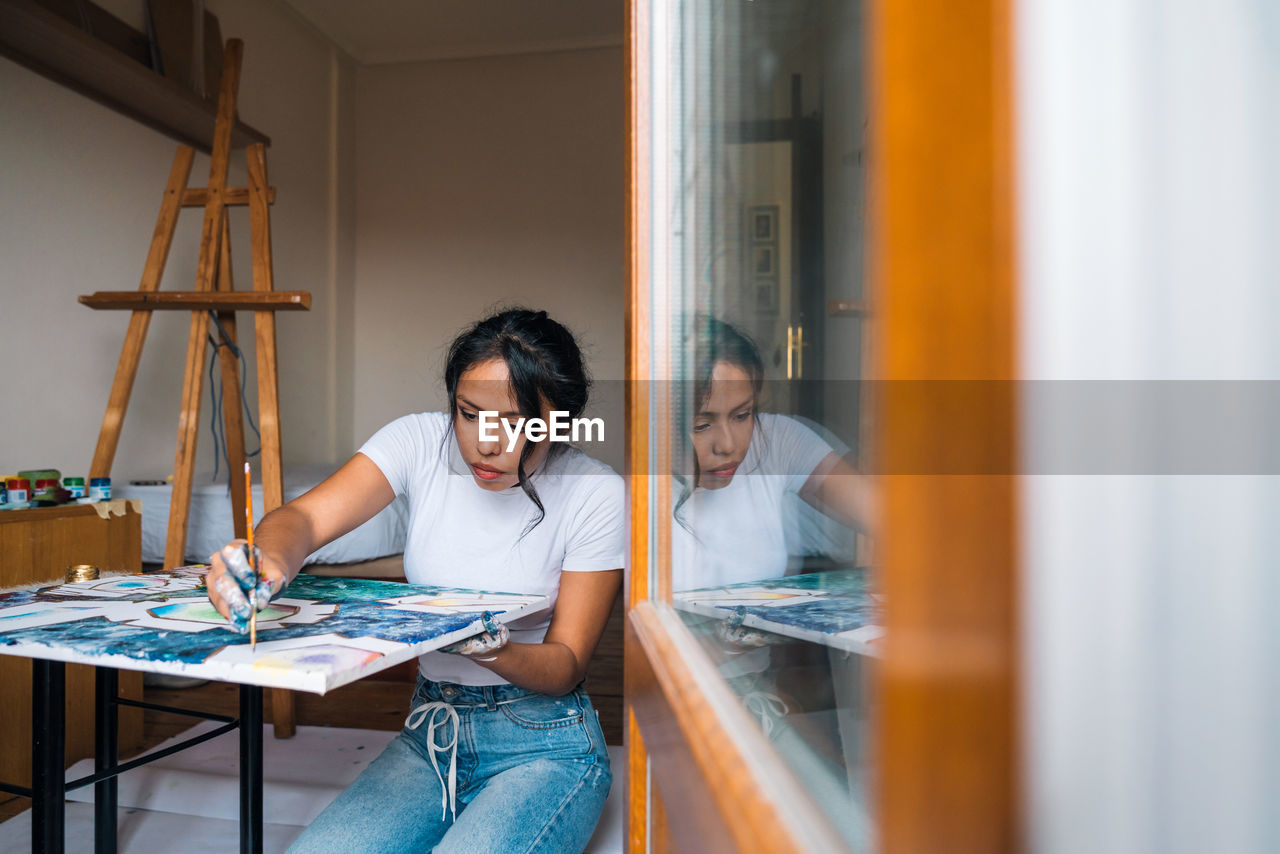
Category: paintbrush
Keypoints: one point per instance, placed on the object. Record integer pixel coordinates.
(253, 561)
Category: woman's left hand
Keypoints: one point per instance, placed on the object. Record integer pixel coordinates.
(492, 639)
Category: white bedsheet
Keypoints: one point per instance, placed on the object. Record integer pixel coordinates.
(210, 525)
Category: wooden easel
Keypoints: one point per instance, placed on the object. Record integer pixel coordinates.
(214, 293)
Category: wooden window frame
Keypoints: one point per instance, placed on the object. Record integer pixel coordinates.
(942, 273)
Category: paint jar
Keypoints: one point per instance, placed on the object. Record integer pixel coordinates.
(99, 489)
(34, 475)
(82, 572)
(19, 489)
(74, 485)
(4, 492)
(46, 490)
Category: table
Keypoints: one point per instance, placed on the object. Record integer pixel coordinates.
(321, 634)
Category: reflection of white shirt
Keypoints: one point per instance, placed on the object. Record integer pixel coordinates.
(736, 533)
(461, 535)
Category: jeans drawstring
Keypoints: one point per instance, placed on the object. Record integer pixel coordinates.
(767, 706)
(430, 712)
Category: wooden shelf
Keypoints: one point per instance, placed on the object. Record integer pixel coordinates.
(40, 40)
(199, 300)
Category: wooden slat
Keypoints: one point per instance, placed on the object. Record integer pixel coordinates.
(198, 197)
(152, 272)
(66, 54)
(943, 285)
(184, 456)
(724, 787)
(637, 401)
(604, 674)
(199, 301)
(197, 340)
(265, 326)
(232, 414)
(284, 713)
(282, 703)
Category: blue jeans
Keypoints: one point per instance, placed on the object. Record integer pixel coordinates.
(530, 773)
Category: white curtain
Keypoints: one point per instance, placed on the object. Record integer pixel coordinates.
(1149, 205)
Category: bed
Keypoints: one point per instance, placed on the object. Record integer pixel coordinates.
(210, 525)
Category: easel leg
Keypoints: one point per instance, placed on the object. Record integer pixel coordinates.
(131, 352)
(265, 328)
(188, 428)
(232, 415)
(282, 705)
(206, 273)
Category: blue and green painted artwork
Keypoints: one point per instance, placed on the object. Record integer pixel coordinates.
(320, 633)
(834, 608)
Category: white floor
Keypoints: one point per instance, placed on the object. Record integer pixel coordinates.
(194, 795)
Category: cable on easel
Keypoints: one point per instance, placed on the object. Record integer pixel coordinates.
(216, 392)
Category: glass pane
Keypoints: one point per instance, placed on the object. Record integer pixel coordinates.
(758, 184)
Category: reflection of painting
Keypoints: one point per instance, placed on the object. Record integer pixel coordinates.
(831, 608)
(324, 632)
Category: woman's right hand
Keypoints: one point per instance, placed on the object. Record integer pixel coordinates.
(233, 587)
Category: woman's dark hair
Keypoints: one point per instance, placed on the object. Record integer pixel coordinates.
(716, 341)
(544, 364)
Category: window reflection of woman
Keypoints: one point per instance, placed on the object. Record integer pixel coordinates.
(745, 464)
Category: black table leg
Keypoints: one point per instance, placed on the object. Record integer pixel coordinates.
(250, 769)
(105, 754)
(48, 752)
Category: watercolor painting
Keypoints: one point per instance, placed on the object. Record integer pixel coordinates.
(831, 608)
(322, 633)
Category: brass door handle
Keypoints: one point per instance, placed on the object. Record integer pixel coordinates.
(795, 352)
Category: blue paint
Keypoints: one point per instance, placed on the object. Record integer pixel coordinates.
(359, 614)
(846, 605)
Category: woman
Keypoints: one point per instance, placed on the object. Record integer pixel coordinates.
(500, 730)
(731, 520)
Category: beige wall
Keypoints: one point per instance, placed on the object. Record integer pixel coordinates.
(79, 193)
(485, 182)
(464, 184)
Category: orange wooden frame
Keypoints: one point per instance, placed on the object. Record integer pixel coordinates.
(943, 283)
(942, 255)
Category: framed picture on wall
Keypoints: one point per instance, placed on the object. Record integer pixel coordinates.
(762, 223)
(764, 260)
(766, 291)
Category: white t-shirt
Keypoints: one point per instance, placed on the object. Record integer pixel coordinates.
(737, 533)
(461, 535)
